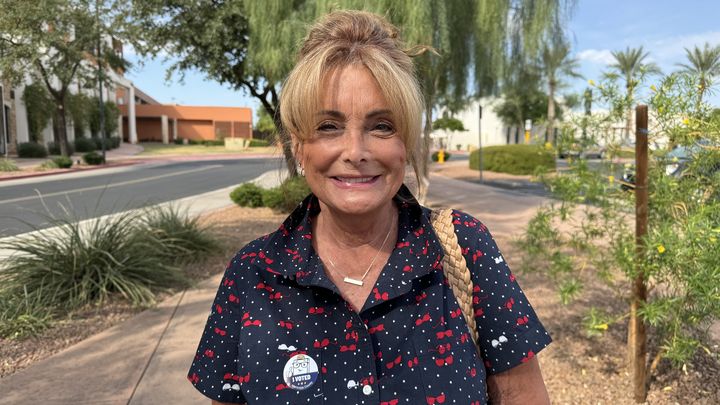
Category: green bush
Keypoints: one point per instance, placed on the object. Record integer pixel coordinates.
(112, 142)
(514, 159)
(54, 148)
(63, 162)
(213, 142)
(258, 142)
(247, 195)
(194, 142)
(272, 197)
(181, 236)
(93, 158)
(31, 150)
(178, 141)
(7, 165)
(435, 156)
(288, 195)
(83, 145)
(133, 254)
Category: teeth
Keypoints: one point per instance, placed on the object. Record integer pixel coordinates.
(354, 180)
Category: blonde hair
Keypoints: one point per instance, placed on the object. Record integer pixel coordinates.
(345, 38)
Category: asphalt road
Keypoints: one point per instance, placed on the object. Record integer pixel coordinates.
(25, 204)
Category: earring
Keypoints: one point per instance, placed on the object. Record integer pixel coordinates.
(302, 171)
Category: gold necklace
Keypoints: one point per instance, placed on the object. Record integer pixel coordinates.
(359, 282)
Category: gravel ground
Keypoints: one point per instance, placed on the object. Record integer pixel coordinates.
(577, 369)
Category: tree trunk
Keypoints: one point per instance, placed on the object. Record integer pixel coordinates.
(61, 127)
(286, 142)
(423, 163)
(551, 114)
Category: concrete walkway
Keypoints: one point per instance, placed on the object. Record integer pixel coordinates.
(144, 360)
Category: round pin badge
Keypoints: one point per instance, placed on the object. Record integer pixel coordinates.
(300, 372)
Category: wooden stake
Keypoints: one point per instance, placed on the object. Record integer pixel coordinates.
(637, 340)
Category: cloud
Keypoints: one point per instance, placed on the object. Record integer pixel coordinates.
(672, 49)
(600, 56)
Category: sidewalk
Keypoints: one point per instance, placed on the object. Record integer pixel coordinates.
(144, 360)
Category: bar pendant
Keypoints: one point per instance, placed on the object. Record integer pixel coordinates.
(352, 281)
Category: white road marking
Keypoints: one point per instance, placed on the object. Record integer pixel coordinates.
(107, 186)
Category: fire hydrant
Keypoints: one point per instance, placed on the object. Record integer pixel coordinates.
(441, 156)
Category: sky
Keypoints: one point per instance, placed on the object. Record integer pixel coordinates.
(663, 27)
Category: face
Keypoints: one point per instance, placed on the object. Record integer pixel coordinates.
(354, 161)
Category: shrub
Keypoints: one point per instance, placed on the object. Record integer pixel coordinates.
(436, 154)
(178, 141)
(54, 148)
(181, 236)
(288, 195)
(213, 142)
(47, 165)
(112, 142)
(7, 165)
(247, 195)
(83, 145)
(513, 159)
(22, 316)
(93, 158)
(31, 150)
(194, 142)
(63, 162)
(258, 142)
(80, 264)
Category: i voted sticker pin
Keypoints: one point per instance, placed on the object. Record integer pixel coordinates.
(300, 372)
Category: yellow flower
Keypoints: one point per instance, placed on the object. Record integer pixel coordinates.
(674, 159)
(602, 326)
(653, 88)
(591, 82)
(686, 121)
(548, 146)
(611, 179)
(661, 249)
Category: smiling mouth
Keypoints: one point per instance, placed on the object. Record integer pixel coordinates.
(356, 180)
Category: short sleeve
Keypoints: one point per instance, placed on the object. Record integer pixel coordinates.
(509, 331)
(215, 366)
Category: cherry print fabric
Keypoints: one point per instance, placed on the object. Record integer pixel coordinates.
(408, 345)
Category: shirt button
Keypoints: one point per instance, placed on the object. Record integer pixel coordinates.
(367, 390)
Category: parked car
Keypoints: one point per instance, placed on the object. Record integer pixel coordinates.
(678, 161)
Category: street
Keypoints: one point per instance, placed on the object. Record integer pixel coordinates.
(27, 202)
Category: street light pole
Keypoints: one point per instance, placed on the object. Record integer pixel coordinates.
(100, 86)
(480, 151)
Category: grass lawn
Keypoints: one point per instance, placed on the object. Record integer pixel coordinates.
(158, 149)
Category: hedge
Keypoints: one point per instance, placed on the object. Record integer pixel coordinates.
(283, 198)
(83, 145)
(258, 142)
(54, 148)
(31, 150)
(93, 158)
(514, 159)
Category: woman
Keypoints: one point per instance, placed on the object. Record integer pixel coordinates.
(346, 302)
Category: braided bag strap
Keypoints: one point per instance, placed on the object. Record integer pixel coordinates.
(454, 265)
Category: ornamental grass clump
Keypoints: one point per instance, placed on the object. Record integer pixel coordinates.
(7, 165)
(181, 236)
(132, 255)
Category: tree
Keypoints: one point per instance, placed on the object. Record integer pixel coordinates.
(248, 44)
(52, 42)
(630, 65)
(705, 65)
(265, 124)
(556, 62)
(522, 98)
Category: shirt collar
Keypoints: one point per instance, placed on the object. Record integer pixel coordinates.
(417, 251)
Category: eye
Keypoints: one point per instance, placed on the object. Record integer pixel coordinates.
(383, 129)
(327, 127)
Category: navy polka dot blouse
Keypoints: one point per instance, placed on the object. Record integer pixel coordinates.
(280, 333)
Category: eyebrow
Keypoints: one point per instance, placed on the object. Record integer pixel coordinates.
(339, 115)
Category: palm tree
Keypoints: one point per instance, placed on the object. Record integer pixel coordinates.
(555, 62)
(705, 64)
(631, 66)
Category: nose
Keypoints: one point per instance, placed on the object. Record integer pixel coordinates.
(356, 147)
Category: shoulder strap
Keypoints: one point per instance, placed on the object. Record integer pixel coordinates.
(454, 265)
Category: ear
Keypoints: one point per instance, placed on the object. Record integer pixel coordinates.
(296, 146)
